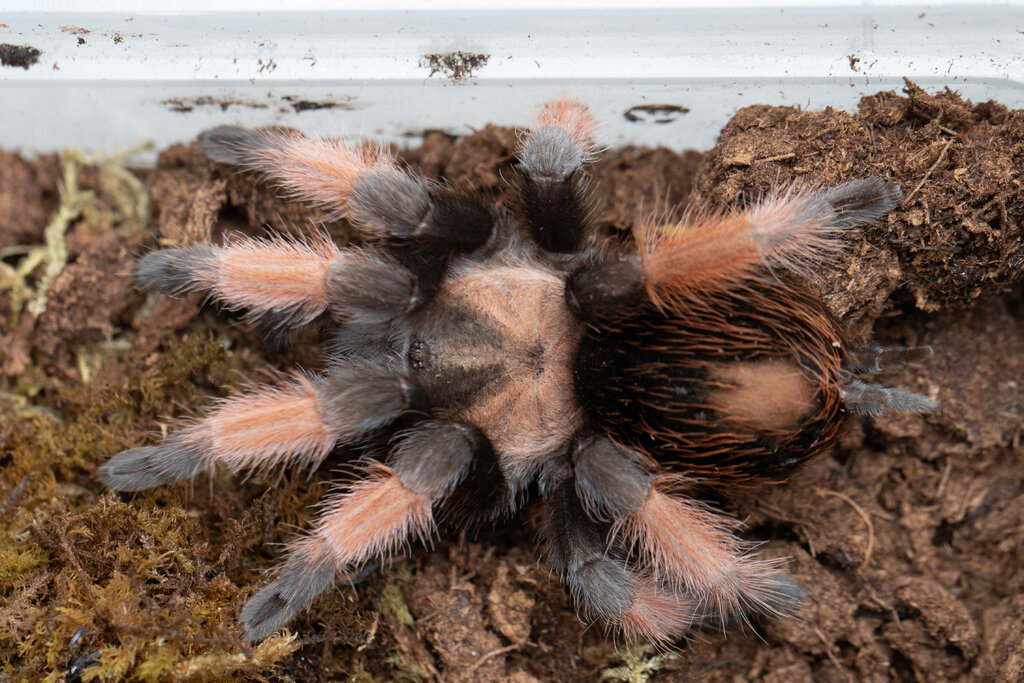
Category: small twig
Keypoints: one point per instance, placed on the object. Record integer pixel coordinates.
(330, 640)
(942, 155)
(778, 513)
(429, 616)
(16, 492)
(831, 655)
(45, 542)
(777, 157)
(882, 514)
(863, 515)
(192, 639)
(945, 478)
(493, 653)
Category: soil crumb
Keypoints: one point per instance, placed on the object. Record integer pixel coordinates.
(457, 66)
(18, 55)
(907, 538)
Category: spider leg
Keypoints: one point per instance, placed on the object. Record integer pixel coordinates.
(874, 358)
(298, 423)
(601, 582)
(373, 517)
(553, 188)
(862, 201)
(689, 547)
(285, 283)
(363, 185)
(793, 232)
(873, 399)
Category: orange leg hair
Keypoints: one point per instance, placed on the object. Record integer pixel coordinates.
(278, 278)
(377, 514)
(321, 171)
(362, 184)
(691, 550)
(285, 283)
(601, 581)
(297, 423)
(791, 231)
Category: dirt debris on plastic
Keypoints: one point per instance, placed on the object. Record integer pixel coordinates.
(907, 538)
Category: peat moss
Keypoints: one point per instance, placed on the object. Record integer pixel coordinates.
(147, 587)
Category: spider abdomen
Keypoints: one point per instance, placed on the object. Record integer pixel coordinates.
(742, 386)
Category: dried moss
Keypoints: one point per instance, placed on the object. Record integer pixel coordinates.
(93, 586)
(637, 663)
(216, 667)
(101, 558)
(125, 201)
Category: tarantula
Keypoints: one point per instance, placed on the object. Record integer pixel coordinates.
(480, 353)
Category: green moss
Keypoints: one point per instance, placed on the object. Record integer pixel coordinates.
(86, 573)
(91, 421)
(392, 602)
(145, 587)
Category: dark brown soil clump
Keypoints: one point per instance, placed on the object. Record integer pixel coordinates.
(907, 538)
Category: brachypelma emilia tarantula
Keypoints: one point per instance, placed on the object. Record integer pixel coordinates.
(480, 353)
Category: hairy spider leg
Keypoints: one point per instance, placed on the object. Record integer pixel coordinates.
(284, 283)
(297, 423)
(872, 400)
(793, 231)
(874, 358)
(554, 201)
(712, 252)
(691, 549)
(361, 184)
(392, 504)
(601, 582)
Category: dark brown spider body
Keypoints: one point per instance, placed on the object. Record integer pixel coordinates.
(479, 355)
(740, 388)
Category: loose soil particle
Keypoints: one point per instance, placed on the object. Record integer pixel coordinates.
(907, 538)
(18, 55)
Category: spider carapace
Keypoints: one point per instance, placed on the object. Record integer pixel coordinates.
(480, 353)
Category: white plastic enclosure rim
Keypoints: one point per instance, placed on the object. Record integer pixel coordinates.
(668, 73)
